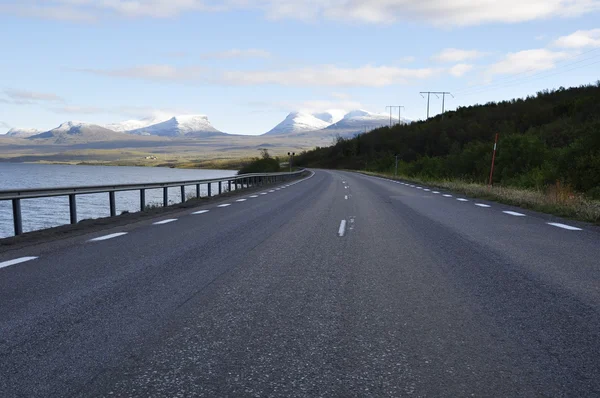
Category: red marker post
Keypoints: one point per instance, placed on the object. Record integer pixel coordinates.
(493, 161)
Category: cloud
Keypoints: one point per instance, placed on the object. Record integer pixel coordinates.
(152, 72)
(526, 61)
(580, 39)
(24, 96)
(235, 53)
(459, 70)
(322, 76)
(457, 55)
(437, 12)
(329, 76)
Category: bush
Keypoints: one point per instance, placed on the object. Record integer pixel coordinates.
(264, 164)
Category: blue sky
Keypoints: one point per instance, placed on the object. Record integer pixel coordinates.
(247, 63)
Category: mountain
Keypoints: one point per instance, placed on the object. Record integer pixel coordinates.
(360, 120)
(22, 133)
(331, 116)
(180, 126)
(297, 122)
(130, 125)
(75, 132)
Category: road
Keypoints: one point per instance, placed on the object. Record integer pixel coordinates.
(339, 285)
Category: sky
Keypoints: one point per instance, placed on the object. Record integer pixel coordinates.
(248, 63)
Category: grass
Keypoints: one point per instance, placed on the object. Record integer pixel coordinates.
(558, 199)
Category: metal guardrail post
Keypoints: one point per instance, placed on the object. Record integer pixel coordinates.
(165, 196)
(142, 199)
(198, 190)
(183, 194)
(229, 182)
(17, 219)
(209, 189)
(73, 208)
(220, 187)
(113, 205)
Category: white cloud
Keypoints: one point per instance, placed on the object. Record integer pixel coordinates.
(580, 39)
(457, 55)
(235, 53)
(438, 12)
(329, 75)
(325, 75)
(526, 61)
(152, 72)
(459, 70)
(26, 97)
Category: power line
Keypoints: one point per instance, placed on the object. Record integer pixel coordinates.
(443, 93)
(513, 78)
(399, 113)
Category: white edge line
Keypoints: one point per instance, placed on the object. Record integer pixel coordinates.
(342, 229)
(241, 200)
(559, 225)
(201, 212)
(253, 196)
(482, 205)
(16, 261)
(513, 213)
(224, 205)
(165, 221)
(106, 237)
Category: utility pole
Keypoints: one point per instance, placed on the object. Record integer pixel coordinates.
(399, 112)
(443, 93)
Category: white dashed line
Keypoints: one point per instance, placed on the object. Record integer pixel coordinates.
(554, 224)
(447, 196)
(482, 205)
(346, 197)
(513, 213)
(412, 186)
(462, 200)
(427, 190)
(342, 229)
(263, 193)
(165, 221)
(271, 191)
(106, 237)
(200, 212)
(224, 205)
(241, 200)
(253, 196)
(435, 192)
(419, 187)
(16, 261)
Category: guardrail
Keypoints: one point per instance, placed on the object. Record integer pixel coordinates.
(239, 182)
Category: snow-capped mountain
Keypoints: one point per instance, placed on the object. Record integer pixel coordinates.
(129, 125)
(359, 120)
(22, 133)
(331, 116)
(73, 132)
(297, 122)
(178, 126)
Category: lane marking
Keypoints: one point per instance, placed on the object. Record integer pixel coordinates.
(253, 196)
(554, 224)
(412, 186)
(263, 193)
(482, 205)
(271, 191)
(106, 237)
(427, 190)
(165, 221)
(342, 229)
(419, 187)
(224, 205)
(447, 196)
(462, 200)
(346, 197)
(514, 213)
(241, 200)
(435, 192)
(16, 261)
(201, 212)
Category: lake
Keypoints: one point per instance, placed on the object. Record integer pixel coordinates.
(50, 212)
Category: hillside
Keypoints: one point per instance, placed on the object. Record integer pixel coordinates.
(552, 136)
(77, 132)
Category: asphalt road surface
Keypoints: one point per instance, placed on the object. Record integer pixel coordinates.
(340, 285)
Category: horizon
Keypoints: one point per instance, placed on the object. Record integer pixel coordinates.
(247, 67)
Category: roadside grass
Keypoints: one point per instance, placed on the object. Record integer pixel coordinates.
(558, 199)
